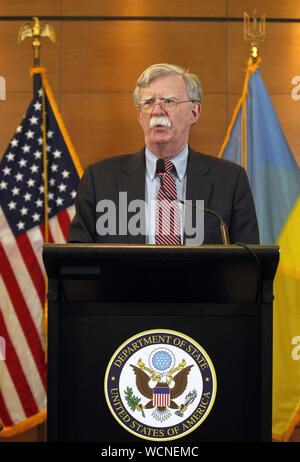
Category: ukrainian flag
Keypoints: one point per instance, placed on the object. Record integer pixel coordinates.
(255, 140)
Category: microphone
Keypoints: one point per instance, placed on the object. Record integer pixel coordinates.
(160, 171)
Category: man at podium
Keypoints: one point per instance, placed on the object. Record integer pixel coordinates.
(167, 193)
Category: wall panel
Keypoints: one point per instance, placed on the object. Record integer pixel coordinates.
(30, 7)
(102, 124)
(191, 8)
(272, 8)
(109, 56)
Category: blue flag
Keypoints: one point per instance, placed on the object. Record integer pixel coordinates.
(256, 141)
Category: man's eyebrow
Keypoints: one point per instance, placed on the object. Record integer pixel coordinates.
(162, 97)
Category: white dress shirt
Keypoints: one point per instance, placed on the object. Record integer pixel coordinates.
(152, 185)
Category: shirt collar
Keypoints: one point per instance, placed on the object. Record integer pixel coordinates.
(179, 161)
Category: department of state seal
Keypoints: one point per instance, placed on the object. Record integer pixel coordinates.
(160, 385)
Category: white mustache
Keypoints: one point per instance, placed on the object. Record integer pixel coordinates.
(160, 120)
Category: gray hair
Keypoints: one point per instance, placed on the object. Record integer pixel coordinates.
(193, 84)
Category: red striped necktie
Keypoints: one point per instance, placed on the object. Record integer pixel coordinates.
(167, 212)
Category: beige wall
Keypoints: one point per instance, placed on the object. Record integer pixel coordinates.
(93, 67)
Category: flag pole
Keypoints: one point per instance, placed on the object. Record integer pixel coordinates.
(36, 32)
(254, 33)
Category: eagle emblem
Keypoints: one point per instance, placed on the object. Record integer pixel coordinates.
(36, 31)
(160, 386)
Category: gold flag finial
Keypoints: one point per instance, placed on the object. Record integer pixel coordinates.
(36, 31)
(255, 32)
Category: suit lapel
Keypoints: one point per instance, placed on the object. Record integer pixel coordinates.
(132, 181)
(199, 183)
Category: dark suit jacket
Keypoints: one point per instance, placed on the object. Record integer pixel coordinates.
(223, 186)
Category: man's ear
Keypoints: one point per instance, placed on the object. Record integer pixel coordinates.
(196, 110)
(139, 115)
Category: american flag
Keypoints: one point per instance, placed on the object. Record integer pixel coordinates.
(161, 397)
(22, 234)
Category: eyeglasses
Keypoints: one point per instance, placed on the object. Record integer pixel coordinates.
(167, 104)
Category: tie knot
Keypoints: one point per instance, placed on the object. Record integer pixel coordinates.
(168, 165)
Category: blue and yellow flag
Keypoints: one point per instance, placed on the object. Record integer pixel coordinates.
(255, 140)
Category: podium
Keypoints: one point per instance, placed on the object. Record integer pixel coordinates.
(99, 296)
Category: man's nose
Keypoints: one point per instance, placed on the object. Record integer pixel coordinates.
(157, 107)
